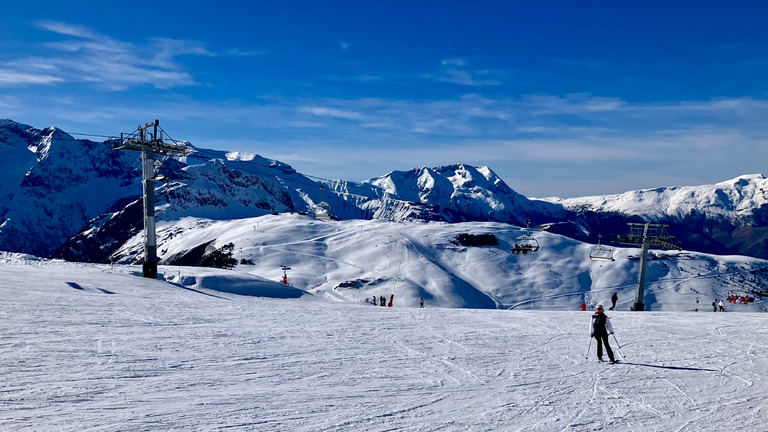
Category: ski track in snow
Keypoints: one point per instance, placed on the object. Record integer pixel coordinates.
(122, 353)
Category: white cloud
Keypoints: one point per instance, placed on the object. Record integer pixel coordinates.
(454, 62)
(67, 29)
(13, 77)
(246, 52)
(455, 71)
(87, 56)
(572, 104)
(332, 112)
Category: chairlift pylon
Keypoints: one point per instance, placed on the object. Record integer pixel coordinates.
(600, 252)
(526, 242)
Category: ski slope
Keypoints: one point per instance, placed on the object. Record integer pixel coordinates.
(98, 348)
(349, 261)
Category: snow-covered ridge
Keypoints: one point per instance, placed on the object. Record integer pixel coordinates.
(734, 199)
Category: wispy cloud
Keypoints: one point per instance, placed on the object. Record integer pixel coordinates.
(10, 77)
(332, 112)
(456, 71)
(238, 52)
(87, 56)
(67, 29)
(453, 62)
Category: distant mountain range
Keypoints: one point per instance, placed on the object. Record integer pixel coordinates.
(80, 200)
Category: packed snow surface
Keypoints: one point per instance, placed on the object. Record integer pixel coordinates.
(99, 348)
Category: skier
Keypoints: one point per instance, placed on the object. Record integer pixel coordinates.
(714, 306)
(421, 305)
(614, 299)
(722, 306)
(600, 327)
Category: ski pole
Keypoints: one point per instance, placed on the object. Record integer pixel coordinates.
(589, 348)
(618, 346)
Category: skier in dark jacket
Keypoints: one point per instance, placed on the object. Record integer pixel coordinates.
(599, 328)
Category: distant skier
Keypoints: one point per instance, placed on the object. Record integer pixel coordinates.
(382, 301)
(714, 306)
(722, 306)
(600, 327)
(421, 305)
(614, 299)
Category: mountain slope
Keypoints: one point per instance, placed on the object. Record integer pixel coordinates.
(352, 260)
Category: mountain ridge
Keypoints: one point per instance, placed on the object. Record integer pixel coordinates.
(58, 191)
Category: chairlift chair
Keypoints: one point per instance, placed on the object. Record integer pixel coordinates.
(322, 209)
(600, 252)
(159, 172)
(526, 242)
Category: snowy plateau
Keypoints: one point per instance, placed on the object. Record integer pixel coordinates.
(500, 345)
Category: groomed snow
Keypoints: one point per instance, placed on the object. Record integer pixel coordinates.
(98, 348)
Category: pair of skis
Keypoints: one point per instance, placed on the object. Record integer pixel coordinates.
(621, 352)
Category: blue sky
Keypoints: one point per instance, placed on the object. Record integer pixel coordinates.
(558, 98)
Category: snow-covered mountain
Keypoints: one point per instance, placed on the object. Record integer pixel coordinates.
(737, 200)
(51, 185)
(80, 200)
(727, 217)
(460, 193)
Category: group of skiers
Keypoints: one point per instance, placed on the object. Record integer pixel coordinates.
(740, 299)
(383, 301)
(719, 305)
